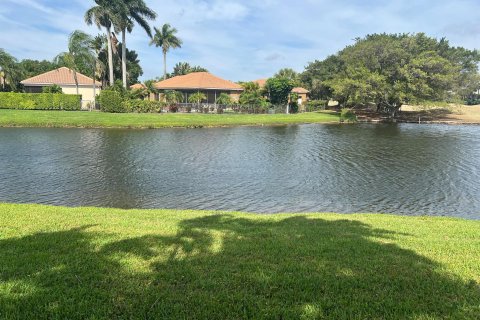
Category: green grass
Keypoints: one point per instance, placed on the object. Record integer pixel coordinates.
(31, 118)
(90, 263)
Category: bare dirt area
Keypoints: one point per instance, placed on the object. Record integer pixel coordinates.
(450, 114)
(456, 114)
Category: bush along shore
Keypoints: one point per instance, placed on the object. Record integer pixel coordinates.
(79, 263)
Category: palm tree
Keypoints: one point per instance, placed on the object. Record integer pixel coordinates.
(98, 46)
(79, 53)
(103, 16)
(166, 39)
(9, 70)
(197, 97)
(126, 13)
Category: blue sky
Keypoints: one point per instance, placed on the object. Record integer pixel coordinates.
(243, 40)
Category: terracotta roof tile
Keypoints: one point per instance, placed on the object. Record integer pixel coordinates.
(197, 80)
(60, 76)
(137, 86)
(300, 90)
(261, 82)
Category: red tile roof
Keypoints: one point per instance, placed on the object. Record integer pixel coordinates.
(60, 76)
(300, 90)
(137, 86)
(261, 82)
(197, 80)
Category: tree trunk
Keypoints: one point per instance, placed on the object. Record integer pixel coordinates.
(94, 85)
(124, 59)
(164, 65)
(110, 56)
(76, 81)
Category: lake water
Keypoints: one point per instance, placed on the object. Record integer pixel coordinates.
(405, 169)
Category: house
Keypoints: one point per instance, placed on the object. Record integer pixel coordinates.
(303, 96)
(205, 82)
(63, 77)
(145, 95)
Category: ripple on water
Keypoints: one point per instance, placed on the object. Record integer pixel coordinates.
(407, 169)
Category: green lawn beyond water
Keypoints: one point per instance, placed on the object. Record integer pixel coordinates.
(32, 118)
(87, 263)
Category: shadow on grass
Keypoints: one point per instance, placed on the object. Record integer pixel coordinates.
(441, 114)
(227, 267)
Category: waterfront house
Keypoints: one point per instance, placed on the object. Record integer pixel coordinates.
(63, 77)
(205, 82)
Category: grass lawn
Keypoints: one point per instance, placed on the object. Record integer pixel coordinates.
(89, 263)
(32, 118)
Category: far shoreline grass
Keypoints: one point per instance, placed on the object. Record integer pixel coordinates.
(84, 119)
(78, 263)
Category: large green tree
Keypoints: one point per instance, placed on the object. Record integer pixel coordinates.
(288, 73)
(166, 39)
(125, 14)
(31, 68)
(134, 70)
(279, 90)
(387, 71)
(183, 68)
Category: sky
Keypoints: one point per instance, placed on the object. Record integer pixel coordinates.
(242, 40)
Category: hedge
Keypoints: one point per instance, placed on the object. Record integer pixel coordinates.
(40, 101)
(111, 101)
(143, 106)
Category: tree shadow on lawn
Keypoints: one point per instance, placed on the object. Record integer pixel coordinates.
(227, 267)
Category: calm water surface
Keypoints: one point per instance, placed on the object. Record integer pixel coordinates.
(404, 169)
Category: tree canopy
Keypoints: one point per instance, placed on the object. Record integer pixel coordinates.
(279, 89)
(183, 68)
(389, 70)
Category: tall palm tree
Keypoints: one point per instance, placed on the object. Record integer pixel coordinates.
(79, 53)
(166, 39)
(126, 13)
(98, 45)
(103, 15)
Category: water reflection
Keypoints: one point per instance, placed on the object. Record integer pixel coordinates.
(407, 169)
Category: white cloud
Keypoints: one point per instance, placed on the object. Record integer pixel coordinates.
(242, 40)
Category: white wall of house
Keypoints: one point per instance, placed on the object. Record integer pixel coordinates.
(86, 92)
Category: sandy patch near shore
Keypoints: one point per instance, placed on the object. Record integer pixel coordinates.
(453, 113)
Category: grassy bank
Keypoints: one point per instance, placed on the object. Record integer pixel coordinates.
(30, 118)
(87, 263)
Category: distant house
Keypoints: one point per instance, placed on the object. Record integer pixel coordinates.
(212, 86)
(303, 95)
(63, 77)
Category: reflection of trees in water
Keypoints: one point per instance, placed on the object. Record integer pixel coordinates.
(222, 266)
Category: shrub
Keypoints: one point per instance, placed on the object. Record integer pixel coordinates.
(347, 115)
(112, 101)
(143, 106)
(315, 105)
(293, 107)
(52, 89)
(39, 101)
